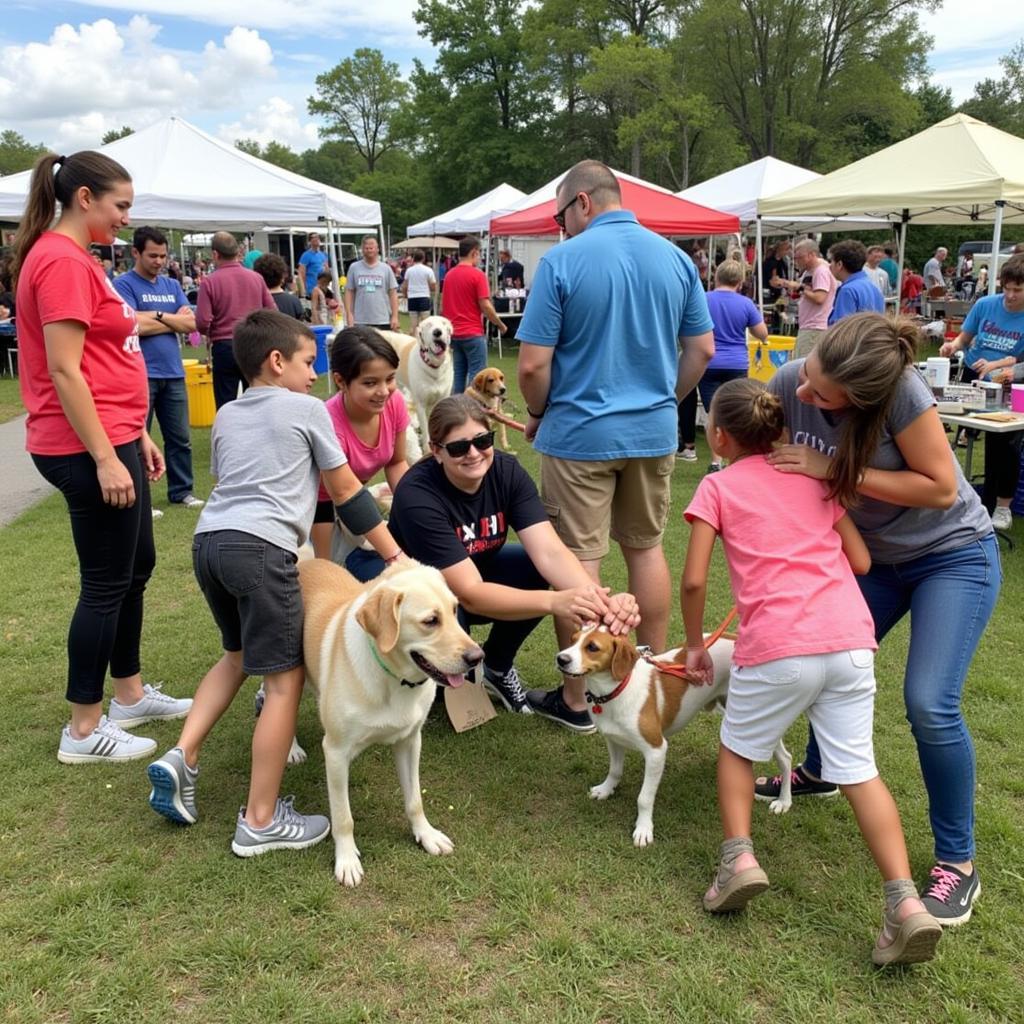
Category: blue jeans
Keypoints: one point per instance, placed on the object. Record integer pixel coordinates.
(951, 596)
(168, 399)
(469, 357)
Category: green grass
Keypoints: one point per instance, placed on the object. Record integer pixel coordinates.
(10, 399)
(545, 913)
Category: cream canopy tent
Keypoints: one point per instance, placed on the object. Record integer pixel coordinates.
(959, 171)
(472, 217)
(738, 191)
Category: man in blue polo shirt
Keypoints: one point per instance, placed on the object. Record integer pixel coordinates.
(856, 293)
(163, 313)
(600, 369)
(312, 263)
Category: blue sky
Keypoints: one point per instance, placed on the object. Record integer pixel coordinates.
(244, 68)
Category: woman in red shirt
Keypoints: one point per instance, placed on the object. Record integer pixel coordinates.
(83, 382)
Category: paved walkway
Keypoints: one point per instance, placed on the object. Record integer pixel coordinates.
(22, 485)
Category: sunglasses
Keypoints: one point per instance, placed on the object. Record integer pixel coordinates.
(456, 449)
(559, 216)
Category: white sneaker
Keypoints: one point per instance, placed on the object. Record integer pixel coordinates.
(191, 501)
(157, 514)
(154, 707)
(1002, 518)
(687, 454)
(107, 742)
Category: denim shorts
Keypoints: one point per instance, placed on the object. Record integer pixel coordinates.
(252, 588)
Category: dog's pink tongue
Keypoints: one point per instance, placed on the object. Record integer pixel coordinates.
(455, 680)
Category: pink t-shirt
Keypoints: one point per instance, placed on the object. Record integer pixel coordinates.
(367, 460)
(794, 589)
(61, 281)
(814, 317)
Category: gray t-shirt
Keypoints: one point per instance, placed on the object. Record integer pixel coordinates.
(893, 533)
(372, 286)
(267, 450)
(933, 274)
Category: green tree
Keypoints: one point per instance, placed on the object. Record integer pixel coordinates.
(1000, 102)
(358, 100)
(17, 153)
(334, 163)
(117, 133)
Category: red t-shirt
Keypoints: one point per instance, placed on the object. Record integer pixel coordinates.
(61, 281)
(463, 286)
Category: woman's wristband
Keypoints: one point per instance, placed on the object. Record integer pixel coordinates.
(394, 558)
(535, 415)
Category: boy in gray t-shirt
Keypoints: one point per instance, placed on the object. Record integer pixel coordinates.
(269, 450)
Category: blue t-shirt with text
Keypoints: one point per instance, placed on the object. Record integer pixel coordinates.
(161, 351)
(997, 332)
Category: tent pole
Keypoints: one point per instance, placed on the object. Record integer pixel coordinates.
(997, 237)
(757, 262)
(903, 250)
(291, 257)
(332, 255)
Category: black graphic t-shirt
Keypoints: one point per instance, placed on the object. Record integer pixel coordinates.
(439, 525)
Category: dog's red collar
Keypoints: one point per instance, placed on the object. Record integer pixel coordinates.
(595, 702)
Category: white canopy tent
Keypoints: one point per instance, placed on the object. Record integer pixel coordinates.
(739, 190)
(472, 217)
(959, 171)
(184, 178)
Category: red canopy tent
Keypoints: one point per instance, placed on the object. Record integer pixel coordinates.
(656, 208)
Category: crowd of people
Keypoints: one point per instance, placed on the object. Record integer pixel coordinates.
(617, 334)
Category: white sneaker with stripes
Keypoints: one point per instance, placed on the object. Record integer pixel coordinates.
(107, 742)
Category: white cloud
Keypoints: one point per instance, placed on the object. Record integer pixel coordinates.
(388, 22)
(967, 49)
(276, 120)
(84, 80)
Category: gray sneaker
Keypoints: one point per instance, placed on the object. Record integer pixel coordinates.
(154, 707)
(288, 830)
(174, 787)
(107, 742)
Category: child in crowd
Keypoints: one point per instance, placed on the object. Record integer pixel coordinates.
(325, 305)
(369, 417)
(267, 452)
(806, 645)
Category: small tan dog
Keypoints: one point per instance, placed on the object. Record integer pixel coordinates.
(488, 388)
(637, 707)
(375, 654)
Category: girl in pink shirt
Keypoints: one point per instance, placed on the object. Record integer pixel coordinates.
(806, 646)
(369, 417)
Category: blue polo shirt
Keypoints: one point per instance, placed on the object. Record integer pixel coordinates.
(997, 332)
(857, 294)
(161, 351)
(613, 303)
(315, 262)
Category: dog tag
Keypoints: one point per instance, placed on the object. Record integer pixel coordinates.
(597, 709)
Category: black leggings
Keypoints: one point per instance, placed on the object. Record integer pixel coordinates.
(115, 558)
(511, 567)
(1002, 460)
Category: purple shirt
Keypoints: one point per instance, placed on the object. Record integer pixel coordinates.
(228, 295)
(732, 314)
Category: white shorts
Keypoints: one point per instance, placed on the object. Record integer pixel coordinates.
(837, 693)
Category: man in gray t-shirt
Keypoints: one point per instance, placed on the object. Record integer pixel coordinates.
(371, 290)
(933, 279)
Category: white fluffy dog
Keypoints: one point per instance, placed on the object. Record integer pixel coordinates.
(425, 368)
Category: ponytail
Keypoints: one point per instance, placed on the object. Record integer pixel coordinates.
(56, 179)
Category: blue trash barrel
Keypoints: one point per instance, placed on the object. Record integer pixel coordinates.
(322, 332)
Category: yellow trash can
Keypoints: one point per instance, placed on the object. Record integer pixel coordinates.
(766, 357)
(199, 385)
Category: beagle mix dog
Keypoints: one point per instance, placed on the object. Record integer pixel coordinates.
(488, 388)
(637, 702)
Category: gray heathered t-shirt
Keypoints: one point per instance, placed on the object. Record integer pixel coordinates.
(893, 533)
(372, 286)
(267, 450)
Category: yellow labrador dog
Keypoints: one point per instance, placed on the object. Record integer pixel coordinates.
(376, 653)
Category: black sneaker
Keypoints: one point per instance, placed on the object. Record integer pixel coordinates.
(713, 467)
(950, 894)
(802, 785)
(549, 704)
(508, 689)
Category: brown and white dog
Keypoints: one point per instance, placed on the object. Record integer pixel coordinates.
(488, 388)
(375, 653)
(425, 367)
(637, 706)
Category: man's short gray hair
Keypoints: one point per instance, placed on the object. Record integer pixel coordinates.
(224, 244)
(807, 245)
(594, 178)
